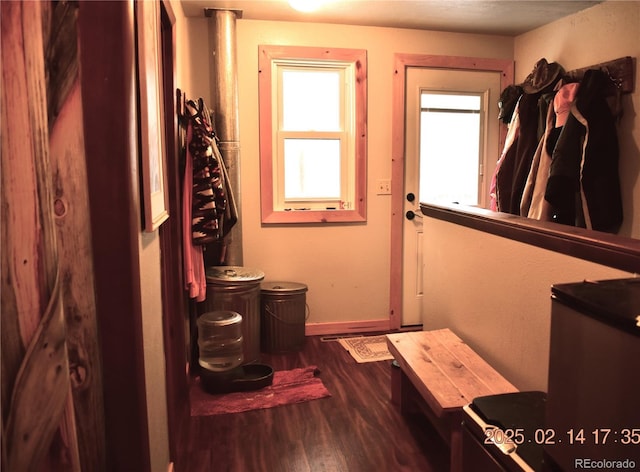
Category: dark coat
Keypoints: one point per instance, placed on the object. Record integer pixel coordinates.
(584, 186)
(512, 176)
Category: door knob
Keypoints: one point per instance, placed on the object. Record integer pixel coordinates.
(412, 214)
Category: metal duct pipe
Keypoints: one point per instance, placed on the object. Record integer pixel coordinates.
(225, 108)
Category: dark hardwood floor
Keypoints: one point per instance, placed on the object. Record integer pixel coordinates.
(356, 429)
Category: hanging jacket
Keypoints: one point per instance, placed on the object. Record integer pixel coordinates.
(511, 138)
(512, 176)
(213, 208)
(193, 260)
(583, 187)
(533, 203)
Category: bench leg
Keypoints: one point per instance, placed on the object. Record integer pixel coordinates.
(456, 449)
(407, 395)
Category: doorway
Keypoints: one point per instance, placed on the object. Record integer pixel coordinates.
(451, 138)
(413, 74)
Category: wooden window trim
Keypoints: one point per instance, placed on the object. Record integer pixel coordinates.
(270, 215)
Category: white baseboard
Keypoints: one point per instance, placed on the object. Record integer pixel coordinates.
(343, 327)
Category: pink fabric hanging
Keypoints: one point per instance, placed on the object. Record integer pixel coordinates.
(194, 271)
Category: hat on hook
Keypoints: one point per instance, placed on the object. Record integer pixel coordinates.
(562, 102)
(542, 76)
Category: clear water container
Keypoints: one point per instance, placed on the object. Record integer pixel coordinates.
(237, 289)
(220, 340)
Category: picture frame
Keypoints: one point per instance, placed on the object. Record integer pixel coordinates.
(151, 120)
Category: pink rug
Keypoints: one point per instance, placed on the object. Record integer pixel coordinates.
(289, 386)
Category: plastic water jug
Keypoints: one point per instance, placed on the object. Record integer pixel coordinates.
(220, 340)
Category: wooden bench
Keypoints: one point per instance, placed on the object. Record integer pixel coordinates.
(438, 375)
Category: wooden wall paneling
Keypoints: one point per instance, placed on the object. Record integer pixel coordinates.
(71, 211)
(37, 413)
(76, 268)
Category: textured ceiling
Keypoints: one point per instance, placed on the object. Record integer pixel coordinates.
(502, 17)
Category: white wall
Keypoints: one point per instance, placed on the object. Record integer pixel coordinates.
(602, 33)
(154, 353)
(346, 267)
(193, 71)
(505, 311)
(495, 294)
(150, 283)
(192, 77)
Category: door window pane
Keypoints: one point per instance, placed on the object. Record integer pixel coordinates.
(450, 148)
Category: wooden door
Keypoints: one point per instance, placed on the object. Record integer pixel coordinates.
(453, 81)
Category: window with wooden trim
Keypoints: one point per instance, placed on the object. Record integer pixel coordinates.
(312, 134)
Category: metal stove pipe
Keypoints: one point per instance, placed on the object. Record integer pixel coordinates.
(222, 27)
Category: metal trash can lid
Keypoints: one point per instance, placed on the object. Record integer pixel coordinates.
(283, 287)
(233, 274)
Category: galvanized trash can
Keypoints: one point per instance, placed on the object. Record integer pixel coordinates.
(237, 289)
(284, 312)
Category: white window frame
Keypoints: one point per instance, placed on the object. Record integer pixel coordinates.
(351, 206)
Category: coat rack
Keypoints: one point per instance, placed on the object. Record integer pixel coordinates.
(620, 71)
(183, 115)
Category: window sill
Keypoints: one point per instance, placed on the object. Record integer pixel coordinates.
(602, 248)
(313, 216)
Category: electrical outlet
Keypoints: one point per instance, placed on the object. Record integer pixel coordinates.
(384, 187)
